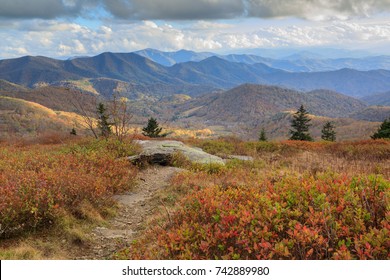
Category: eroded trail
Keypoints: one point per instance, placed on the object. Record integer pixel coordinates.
(134, 208)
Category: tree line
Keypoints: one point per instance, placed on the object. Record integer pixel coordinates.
(300, 125)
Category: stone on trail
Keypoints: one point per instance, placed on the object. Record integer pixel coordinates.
(161, 152)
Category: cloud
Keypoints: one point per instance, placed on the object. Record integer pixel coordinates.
(45, 9)
(315, 9)
(175, 9)
(193, 10)
(61, 39)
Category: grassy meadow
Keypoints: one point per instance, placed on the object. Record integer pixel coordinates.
(295, 200)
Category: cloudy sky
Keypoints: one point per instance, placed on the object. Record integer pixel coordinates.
(66, 28)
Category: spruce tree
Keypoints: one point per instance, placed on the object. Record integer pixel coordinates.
(152, 129)
(73, 131)
(103, 124)
(262, 136)
(300, 124)
(383, 130)
(328, 132)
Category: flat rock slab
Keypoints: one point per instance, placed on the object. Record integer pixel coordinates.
(161, 152)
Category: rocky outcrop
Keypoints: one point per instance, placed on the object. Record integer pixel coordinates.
(161, 152)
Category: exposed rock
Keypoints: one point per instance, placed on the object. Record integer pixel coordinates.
(245, 158)
(161, 152)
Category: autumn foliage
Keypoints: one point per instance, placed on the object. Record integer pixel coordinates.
(296, 200)
(332, 217)
(40, 183)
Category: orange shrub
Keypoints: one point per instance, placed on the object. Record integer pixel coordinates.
(332, 217)
(38, 183)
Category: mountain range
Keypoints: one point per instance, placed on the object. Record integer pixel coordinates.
(299, 62)
(194, 78)
(227, 94)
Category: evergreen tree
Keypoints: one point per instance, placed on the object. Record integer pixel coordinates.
(152, 129)
(328, 132)
(73, 131)
(383, 131)
(300, 124)
(262, 136)
(103, 124)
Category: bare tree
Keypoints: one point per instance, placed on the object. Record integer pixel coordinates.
(120, 116)
(118, 113)
(81, 102)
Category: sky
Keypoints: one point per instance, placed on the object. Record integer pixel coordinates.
(68, 28)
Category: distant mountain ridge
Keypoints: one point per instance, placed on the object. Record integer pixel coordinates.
(188, 77)
(300, 62)
(171, 58)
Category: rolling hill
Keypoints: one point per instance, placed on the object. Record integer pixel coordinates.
(372, 113)
(242, 111)
(381, 99)
(11, 87)
(246, 109)
(54, 98)
(21, 117)
(248, 103)
(277, 127)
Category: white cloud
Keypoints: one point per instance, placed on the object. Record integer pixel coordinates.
(62, 39)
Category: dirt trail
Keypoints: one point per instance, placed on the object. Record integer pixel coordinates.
(135, 207)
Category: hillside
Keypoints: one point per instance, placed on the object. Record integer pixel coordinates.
(8, 86)
(277, 127)
(107, 87)
(249, 103)
(55, 98)
(381, 99)
(246, 109)
(372, 113)
(241, 111)
(20, 117)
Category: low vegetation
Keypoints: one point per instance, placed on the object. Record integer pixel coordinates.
(296, 200)
(58, 186)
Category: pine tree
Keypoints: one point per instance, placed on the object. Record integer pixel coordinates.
(152, 129)
(262, 136)
(73, 131)
(328, 132)
(383, 130)
(103, 124)
(300, 124)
